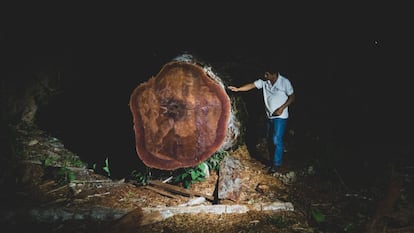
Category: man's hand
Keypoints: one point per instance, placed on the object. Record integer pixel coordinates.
(232, 88)
(245, 87)
(278, 112)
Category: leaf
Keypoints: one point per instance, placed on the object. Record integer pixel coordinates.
(202, 166)
(187, 183)
(318, 216)
(71, 176)
(194, 174)
(106, 168)
(201, 179)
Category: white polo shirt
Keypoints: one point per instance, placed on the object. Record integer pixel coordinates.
(275, 95)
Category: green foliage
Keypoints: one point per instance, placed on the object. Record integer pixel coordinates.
(106, 167)
(65, 175)
(191, 175)
(317, 215)
(139, 177)
(75, 161)
(63, 161)
(49, 161)
(188, 176)
(214, 161)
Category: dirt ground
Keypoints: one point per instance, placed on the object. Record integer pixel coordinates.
(320, 204)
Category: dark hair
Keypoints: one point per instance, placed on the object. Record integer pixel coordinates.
(272, 68)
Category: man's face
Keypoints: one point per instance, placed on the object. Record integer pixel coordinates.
(269, 76)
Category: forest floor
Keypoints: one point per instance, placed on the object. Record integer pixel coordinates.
(46, 189)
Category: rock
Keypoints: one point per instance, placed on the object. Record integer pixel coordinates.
(230, 182)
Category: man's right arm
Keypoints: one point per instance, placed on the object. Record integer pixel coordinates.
(246, 87)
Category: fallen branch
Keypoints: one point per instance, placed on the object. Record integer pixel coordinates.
(160, 191)
(90, 181)
(57, 189)
(99, 194)
(179, 190)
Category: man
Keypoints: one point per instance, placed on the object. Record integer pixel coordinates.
(278, 94)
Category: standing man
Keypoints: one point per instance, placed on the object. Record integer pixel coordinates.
(278, 94)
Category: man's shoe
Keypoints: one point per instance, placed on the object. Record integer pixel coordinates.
(282, 170)
(273, 169)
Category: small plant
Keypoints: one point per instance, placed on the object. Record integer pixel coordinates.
(139, 177)
(317, 215)
(63, 161)
(65, 176)
(214, 161)
(106, 167)
(49, 161)
(76, 162)
(191, 175)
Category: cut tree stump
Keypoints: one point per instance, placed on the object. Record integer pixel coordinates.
(181, 116)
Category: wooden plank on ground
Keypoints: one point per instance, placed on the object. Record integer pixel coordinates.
(179, 190)
(221, 209)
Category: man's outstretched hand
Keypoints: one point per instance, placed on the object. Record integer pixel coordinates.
(232, 88)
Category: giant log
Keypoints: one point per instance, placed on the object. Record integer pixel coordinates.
(180, 116)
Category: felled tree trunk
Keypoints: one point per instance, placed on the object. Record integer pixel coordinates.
(181, 116)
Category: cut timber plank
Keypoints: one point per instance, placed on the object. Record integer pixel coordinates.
(179, 190)
(167, 212)
(64, 213)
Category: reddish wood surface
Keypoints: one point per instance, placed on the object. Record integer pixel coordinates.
(180, 117)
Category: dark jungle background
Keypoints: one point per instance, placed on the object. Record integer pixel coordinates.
(350, 67)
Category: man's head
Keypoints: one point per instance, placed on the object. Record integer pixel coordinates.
(271, 75)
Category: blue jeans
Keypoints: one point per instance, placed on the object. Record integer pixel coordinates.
(276, 130)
